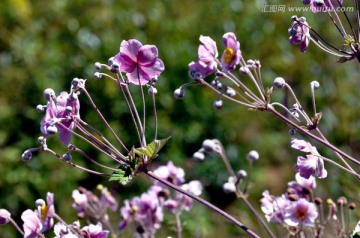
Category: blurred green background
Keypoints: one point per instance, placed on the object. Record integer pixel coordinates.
(47, 43)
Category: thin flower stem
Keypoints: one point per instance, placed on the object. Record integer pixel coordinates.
(339, 21)
(306, 132)
(92, 160)
(57, 217)
(155, 116)
(224, 95)
(16, 226)
(103, 119)
(348, 21)
(178, 225)
(248, 177)
(356, 2)
(121, 86)
(257, 215)
(117, 152)
(285, 108)
(204, 202)
(301, 111)
(259, 88)
(338, 155)
(225, 159)
(75, 165)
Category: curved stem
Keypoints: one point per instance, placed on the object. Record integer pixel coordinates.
(204, 202)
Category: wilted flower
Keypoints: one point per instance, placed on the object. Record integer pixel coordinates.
(207, 64)
(62, 110)
(232, 54)
(312, 164)
(139, 62)
(300, 33)
(301, 212)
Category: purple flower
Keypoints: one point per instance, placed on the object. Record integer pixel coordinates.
(32, 223)
(312, 164)
(46, 211)
(301, 212)
(232, 54)
(4, 216)
(62, 231)
(95, 231)
(207, 55)
(302, 186)
(62, 110)
(274, 207)
(300, 33)
(324, 5)
(108, 200)
(80, 202)
(171, 173)
(139, 62)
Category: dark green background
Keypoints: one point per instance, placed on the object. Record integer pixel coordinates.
(47, 43)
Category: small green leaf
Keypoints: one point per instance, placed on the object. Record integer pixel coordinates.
(152, 149)
(124, 174)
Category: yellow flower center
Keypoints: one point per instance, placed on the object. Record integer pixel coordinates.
(300, 214)
(44, 210)
(229, 55)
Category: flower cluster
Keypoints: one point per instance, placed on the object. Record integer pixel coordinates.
(147, 210)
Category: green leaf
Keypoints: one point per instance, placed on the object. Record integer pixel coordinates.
(124, 174)
(152, 149)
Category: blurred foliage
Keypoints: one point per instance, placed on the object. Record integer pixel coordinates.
(48, 43)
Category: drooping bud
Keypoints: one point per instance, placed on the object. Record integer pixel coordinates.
(49, 93)
(352, 206)
(179, 93)
(26, 155)
(244, 70)
(115, 67)
(40, 108)
(253, 155)
(229, 187)
(97, 75)
(315, 85)
(52, 130)
(342, 201)
(318, 201)
(241, 174)
(4, 216)
(97, 66)
(230, 92)
(66, 157)
(111, 61)
(279, 82)
(152, 91)
(218, 104)
(198, 156)
(292, 132)
(209, 146)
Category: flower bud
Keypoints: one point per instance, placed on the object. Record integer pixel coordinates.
(219, 85)
(315, 85)
(26, 155)
(198, 156)
(152, 91)
(110, 61)
(318, 3)
(115, 67)
(294, 18)
(241, 174)
(40, 108)
(293, 197)
(318, 201)
(306, 2)
(292, 132)
(68, 108)
(209, 146)
(97, 75)
(229, 187)
(52, 130)
(243, 70)
(97, 66)
(49, 93)
(71, 147)
(253, 155)
(342, 201)
(66, 157)
(41, 139)
(4, 216)
(230, 92)
(40, 202)
(292, 31)
(279, 82)
(179, 93)
(218, 104)
(352, 206)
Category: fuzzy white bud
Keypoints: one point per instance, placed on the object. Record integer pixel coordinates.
(279, 82)
(253, 155)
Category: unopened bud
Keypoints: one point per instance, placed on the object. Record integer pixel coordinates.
(241, 174)
(68, 108)
(66, 157)
(49, 93)
(198, 156)
(40, 108)
(352, 206)
(318, 201)
(293, 197)
(111, 61)
(306, 2)
(97, 66)
(292, 132)
(243, 70)
(218, 104)
(97, 75)
(279, 82)
(209, 145)
(4, 216)
(229, 187)
(51, 129)
(253, 155)
(231, 92)
(26, 155)
(315, 85)
(39, 202)
(342, 201)
(179, 93)
(152, 91)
